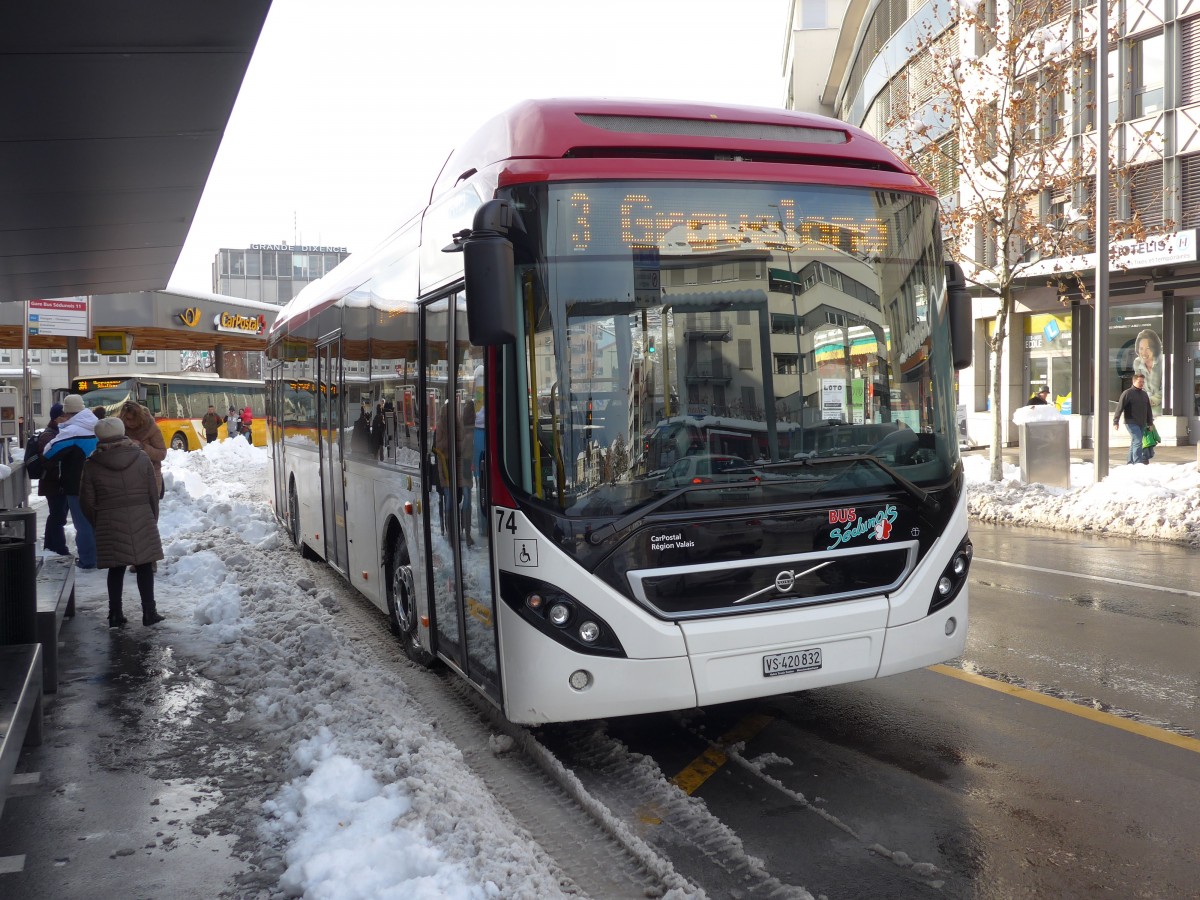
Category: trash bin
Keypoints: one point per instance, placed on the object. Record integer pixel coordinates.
(18, 576)
(1045, 452)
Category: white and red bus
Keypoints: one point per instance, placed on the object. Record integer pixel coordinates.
(460, 419)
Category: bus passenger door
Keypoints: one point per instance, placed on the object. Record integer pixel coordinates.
(274, 417)
(330, 435)
(458, 541)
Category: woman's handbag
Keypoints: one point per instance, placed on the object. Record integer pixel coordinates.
(1149, 437)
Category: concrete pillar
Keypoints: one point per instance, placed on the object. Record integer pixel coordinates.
(72, 359)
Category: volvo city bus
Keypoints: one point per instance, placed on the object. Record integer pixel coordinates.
(756, 298)
(179, 402)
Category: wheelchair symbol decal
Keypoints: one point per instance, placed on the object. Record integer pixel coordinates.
(525, 553)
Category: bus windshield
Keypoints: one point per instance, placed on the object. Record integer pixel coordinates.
(110, 398)
(728, 344)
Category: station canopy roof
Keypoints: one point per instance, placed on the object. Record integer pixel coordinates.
(111, 117)
(159, 320)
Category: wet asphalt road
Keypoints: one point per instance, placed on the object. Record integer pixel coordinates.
(928, 785)
(921, 785)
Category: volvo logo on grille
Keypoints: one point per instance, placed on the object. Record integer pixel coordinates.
(784, 582)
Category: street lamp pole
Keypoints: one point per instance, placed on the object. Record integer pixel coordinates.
(1100, 392)
(787, 248)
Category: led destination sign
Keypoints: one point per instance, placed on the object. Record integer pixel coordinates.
(682, 219)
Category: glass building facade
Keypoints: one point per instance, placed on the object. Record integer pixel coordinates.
(272, 273)
(1154, 111)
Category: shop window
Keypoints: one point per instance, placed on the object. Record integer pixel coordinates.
(1135, 347)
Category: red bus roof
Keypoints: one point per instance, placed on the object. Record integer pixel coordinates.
(610, 138)
(604, 128)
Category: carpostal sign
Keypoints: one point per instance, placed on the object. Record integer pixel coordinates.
(235, 323)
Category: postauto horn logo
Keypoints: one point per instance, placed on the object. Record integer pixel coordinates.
(190, 316)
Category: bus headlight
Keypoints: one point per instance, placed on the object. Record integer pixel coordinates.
(559, 616)
(953, 577)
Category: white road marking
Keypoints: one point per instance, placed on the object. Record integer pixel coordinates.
(1104, 578)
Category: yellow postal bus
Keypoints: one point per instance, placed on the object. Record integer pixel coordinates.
(179, 402)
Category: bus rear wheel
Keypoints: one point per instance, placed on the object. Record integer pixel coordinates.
(402, 602)
(179, 441)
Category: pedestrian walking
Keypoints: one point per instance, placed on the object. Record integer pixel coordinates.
(1039, 398)
(233, 423)
(247, 425)
(211, 424)
(360, 437)
(69, 450)
(119, 494)
(1134, 405)
(141, 428)
(54, 537)
(378, 431)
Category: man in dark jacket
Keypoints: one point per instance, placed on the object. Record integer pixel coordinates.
(54, 538)
(1134, 404)
(211, 423)
(69, 449)
(1039, 399)
(360, 437)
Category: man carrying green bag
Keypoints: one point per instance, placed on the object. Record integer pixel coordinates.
(1150, 439)
(1134, 404)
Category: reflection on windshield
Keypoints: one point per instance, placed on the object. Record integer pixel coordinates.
(742, 343)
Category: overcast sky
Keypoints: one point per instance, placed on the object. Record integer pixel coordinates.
(348, 110)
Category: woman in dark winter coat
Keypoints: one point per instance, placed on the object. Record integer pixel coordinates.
(141, 428)
(120, 498)
(54, 538)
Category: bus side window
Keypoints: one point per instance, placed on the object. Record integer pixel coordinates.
(153, 399)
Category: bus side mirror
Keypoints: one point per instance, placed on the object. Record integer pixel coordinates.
(958, 304)
(490, 273)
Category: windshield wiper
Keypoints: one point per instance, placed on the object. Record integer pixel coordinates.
(922, 496)
(604, 532)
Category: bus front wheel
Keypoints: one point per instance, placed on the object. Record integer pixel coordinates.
(179, 441)
(402, 602)
(294, 523)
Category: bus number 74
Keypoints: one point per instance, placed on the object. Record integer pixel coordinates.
(506, 520)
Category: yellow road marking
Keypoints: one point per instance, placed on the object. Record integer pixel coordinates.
(700, 769)
(1095, 715)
